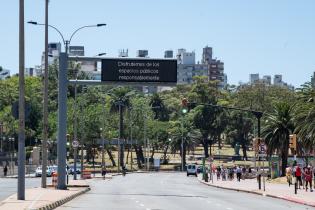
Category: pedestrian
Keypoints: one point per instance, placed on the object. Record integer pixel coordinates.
(298, 175)
(5, 170)
(250, 170)
(288, 174)
(308, 178)
(218, 172)
(238, 173)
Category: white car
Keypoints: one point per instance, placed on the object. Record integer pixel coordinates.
(191, 169)
(38, 172)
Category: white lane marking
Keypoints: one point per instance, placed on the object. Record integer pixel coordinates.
(141, 204)
(137, 201)
(218, 205)
(209, 201)
(229, 208)
(147, 209)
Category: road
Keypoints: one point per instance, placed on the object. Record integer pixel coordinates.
(169, 191)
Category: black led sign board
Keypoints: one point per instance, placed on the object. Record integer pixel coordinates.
(140, 71)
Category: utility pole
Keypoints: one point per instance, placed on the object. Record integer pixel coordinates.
(103, 141)
(21, 143)
(45, 105)
(130, 121)
(121, 134)
(75, 129)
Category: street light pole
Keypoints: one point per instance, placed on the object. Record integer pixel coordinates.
(21, 139)
(182, 145)
(45, 105)
(62, 101)
(75, 130)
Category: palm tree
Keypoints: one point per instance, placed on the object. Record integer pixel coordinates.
(304, 116)
(120, 100)
(278, 129)
(186, 131)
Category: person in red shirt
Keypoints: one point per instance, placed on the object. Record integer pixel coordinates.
(308, 178)
(298, 175)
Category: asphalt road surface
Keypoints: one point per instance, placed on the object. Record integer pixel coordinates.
(169, 191)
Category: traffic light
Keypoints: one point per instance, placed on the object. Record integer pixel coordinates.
(184, 105)
(292, 142)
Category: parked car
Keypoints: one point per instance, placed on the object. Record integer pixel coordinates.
(71, 169)
(191, 169)
(38, 172)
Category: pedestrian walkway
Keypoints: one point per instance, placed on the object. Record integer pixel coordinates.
(45, 198)
(281, 191)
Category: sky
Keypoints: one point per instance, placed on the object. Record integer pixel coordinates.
(250, 36)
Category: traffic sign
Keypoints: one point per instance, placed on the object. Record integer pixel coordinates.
(75, 144)
(262, 148)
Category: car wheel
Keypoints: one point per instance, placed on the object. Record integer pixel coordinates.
(187, 174)
(196, 175)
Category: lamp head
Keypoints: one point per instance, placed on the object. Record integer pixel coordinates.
(101, 24)
(32, 22)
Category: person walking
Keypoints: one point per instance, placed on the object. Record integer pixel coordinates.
(5, 170)
(238, 173)
(298, 175)
(308, 178)
(288, 174)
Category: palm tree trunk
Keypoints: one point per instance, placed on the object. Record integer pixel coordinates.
(164, 154)
(138, 154)
(205, 144)
(284, 159)
(127, 155)
(111, 157)
(244, 150)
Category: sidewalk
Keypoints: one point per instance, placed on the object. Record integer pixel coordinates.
(45, 199)
(281, 191)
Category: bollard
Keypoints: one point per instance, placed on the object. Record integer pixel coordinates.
(54, 179)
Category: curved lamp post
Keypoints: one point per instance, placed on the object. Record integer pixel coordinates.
(61, 152)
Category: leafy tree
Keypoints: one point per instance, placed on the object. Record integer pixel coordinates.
(205, 92)
(238, 131)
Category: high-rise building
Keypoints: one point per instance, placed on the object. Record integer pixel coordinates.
(277, 80)
(206, 55)
(266, 79)
(186, 58)
(253, 78)
(168, 54)
(216, 71)
(30, 72)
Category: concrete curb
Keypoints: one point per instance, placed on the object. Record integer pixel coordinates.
(62, 201)
(262, 194)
